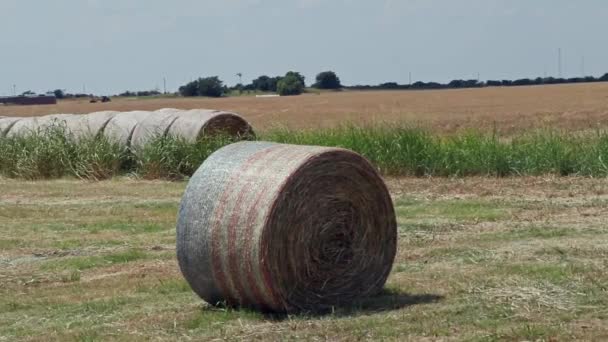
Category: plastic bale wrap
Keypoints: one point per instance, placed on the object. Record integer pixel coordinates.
(88, 125)
(192, 125)
(38, 124)
(286, 228)
(122, 125)
(154, 126)
(6, 123)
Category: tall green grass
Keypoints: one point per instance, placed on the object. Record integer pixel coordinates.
(175, 158)
(398, 150)
(53, 153)
(395, 150)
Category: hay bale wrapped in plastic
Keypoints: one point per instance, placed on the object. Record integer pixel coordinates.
(6, 123)
(154, 126)
(120, 128)
(286, 228)
(88, 125)
(192, 125)
(39, 124)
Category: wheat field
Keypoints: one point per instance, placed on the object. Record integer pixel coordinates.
(510, 110)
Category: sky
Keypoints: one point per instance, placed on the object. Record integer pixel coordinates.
(109, 46)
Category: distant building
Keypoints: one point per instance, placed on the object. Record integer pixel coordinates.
(29, 100)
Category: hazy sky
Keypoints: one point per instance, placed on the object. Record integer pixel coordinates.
(115, 45)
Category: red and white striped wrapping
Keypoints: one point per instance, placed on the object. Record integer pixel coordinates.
(286, 228)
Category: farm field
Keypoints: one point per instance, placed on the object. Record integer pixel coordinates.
(572, 107)
(479, 259)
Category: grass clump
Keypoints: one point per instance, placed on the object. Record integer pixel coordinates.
(402, 150)
(393, 149)
(53, 152)
(172, 157)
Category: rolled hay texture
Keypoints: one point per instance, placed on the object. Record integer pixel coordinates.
(88, 125)
(120, 128)
(6, 123)
(192, 125)
(286, 228)
(31, 125)
(155, 125)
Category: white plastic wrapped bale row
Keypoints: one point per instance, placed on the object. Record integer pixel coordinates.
(155, 125)
(286, 228)
(194, 124)
(88, 125)
(39, 124)
(168, 110)
(120, 128)
(6, 123)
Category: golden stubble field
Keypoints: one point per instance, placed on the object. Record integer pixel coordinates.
(572, 107)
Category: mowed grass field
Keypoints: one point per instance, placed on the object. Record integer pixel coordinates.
(479, 259)
(510, 109)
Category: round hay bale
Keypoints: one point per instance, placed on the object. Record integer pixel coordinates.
(6, 123)
(120, 128)
(153, 126)
(167, 110)
(286, 228)
(88, 125)
(37, 124)
(194, 124)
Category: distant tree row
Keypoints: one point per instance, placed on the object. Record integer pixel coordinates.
(292, 83)
(61, 94)
(455, 84)
(139, 93)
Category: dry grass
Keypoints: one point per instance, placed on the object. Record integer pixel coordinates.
(574, 106)
(478, 259)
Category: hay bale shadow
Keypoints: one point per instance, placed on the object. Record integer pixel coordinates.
(386, 300)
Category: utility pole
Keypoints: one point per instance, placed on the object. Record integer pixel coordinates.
(559, 62)
(164, 85)
(410, 78)
(14, 90)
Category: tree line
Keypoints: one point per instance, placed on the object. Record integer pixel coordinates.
(292, 83)
(455, 84)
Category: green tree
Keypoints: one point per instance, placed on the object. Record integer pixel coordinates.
(262, 83)
(328, 80)
(291, 84)
(299, 76)
(211, 86)
(208, 86)
(273, 83)
(59, 93)
(190, 89)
